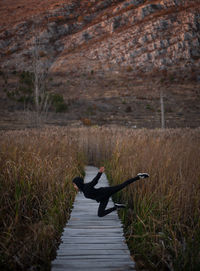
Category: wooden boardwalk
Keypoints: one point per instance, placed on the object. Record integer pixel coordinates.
(90, 242)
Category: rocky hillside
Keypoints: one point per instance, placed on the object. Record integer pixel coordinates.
(141, 34)
(87, 44)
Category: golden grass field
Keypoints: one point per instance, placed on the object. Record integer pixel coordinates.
(161, 221)
(35, 195)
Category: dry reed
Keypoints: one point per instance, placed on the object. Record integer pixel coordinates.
(161, 223)
(36, 195)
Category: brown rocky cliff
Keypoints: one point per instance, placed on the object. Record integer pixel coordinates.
(108, 58)
(154, 34)
(92, 35)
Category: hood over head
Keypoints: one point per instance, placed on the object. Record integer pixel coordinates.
(79, 182)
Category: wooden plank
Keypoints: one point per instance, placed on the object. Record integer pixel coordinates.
(78, 268)
(84, 262)
(92, 246)
(86, 251)
(90, 231)
(90, 266)
(94, 227)
(101, 268)
(76, 222)
(90, 242)
(81, 240)
(106, 266)
(116, 266)
(85, 239)
(81, 259)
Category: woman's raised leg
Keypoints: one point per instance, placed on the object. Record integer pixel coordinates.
(109, 191)
(102, 206)
(114, 189)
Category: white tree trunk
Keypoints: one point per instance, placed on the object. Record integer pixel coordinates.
(162, 110)
(36, 71)
(41, 98)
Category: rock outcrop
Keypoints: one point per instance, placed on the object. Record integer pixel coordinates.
(141, 35)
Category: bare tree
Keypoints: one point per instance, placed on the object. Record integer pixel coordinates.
(162, 109)
(159, 85)
(40, 73)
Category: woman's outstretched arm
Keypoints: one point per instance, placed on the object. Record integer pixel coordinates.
(97, 177)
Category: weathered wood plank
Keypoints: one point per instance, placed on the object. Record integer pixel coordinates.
(108, 266)
(89, 232)
(86, 251)
(90, 242)
(95, 246)
(100, 240)
(92, 261)
(84, 262)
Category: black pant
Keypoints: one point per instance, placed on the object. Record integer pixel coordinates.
(108, 192)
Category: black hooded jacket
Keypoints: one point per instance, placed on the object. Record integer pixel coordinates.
(88, 188)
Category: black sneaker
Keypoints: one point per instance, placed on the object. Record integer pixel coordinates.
(143, 175)
(118, 205)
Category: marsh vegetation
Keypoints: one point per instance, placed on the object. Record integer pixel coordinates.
(161, 221)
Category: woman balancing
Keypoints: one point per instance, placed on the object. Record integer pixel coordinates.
(103, 194)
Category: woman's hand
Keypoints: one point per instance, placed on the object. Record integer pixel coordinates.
(101, 169)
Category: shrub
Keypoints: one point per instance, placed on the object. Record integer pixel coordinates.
(24, 92)
(25, 99)
(80, 19)
(149, 107)
(128, 109)
(91, 110)
(71, 16)
(60, 19)
(26, 78)
(58, 102)
(8, 53)
(86, 122)
(129, 69)
(56, 98)
(52, 19)
(11, 94)
(42, 54)
(61, 107)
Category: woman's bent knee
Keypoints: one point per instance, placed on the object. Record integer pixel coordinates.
(101, 214)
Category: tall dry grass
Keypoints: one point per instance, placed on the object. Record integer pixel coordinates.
(162, 223)
(36, 195)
